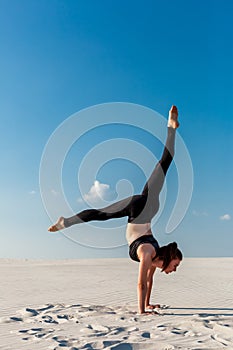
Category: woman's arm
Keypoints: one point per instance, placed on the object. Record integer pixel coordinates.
(144, 267)
(150, 274)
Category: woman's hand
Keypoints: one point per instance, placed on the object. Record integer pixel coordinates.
(152, 307)
(146, 313)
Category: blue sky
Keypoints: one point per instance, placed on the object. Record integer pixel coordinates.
(59, 57)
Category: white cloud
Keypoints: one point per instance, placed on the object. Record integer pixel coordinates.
(225, 217)
(97, 192)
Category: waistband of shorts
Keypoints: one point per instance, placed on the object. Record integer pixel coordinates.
(144, 239)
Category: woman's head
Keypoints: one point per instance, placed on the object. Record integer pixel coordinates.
(171, 257)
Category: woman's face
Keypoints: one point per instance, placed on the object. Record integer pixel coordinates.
(172, 266)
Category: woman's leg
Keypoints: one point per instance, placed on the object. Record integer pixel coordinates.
(138, 208)
(115, 210)
(154, 184)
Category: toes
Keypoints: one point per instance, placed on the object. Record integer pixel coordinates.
(52, 229)
(173, 108)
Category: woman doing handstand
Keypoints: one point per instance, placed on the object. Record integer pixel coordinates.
(140, 209)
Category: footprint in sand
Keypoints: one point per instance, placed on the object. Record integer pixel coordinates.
(49, 319)
(31, 312)
(46, 308)
(123, 346)
(65, 342)
(36, 332)
(145, 335)
(65, 317)
(24, 315)
(161, 327)
(221, 340)
(110, 344)
(15, 319)
(100, 328)
(224, 329)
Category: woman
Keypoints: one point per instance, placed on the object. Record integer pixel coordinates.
(140, 209)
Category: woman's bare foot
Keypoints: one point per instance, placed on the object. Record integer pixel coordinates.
(58, 226)
(173, 118)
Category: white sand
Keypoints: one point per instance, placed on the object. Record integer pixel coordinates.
(92, 304)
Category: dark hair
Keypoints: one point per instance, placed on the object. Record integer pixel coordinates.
(169, 252)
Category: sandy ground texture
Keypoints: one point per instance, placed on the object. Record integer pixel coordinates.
(92, 304)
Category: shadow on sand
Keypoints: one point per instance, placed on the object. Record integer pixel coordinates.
(202, 311)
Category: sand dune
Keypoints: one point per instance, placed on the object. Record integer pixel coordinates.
(91, 304)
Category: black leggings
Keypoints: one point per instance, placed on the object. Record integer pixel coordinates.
(141, 208)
